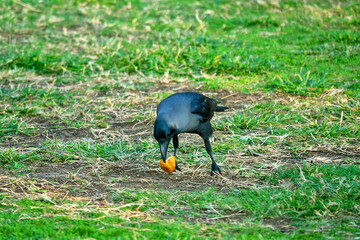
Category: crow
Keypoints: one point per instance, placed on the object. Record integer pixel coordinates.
(186, 112)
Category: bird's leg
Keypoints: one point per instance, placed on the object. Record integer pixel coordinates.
(176, 146)
(214, 166)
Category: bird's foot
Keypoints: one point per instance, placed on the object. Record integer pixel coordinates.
(176, 167)
(215, 169)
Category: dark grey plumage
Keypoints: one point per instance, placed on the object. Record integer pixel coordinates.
(186, 112)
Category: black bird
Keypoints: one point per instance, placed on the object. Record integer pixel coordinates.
(187, 112)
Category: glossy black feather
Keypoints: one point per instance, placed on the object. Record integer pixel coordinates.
(185, 112)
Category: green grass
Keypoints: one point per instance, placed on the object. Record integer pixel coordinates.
(324, 190)
(316, 197)
(96, 224)
(55, 151)
(79, 83)
(316, 124)
(14, 125)
(212, 39)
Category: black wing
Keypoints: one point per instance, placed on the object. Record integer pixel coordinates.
(203, 106)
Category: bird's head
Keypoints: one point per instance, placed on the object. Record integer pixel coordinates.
(163, 134)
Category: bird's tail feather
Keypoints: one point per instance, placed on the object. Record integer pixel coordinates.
(220, 109)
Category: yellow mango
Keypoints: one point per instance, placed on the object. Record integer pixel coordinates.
(169, 165)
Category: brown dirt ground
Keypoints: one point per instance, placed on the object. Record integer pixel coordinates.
(96, 181)
(194, 177)
(50, 129)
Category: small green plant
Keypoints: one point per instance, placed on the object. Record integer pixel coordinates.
(14, 125)
(303, 83)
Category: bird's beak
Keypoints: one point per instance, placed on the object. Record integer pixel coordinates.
(163, 149)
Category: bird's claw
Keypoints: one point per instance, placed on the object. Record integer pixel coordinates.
(176, 167)
(215, 169)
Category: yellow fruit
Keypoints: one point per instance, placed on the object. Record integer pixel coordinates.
(169, 165)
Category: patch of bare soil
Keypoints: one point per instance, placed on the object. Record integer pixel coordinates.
(99, 181)
(93, 180)
(119, 124)
(280, 224)
(47, 130)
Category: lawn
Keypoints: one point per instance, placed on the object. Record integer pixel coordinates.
(79, 86)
